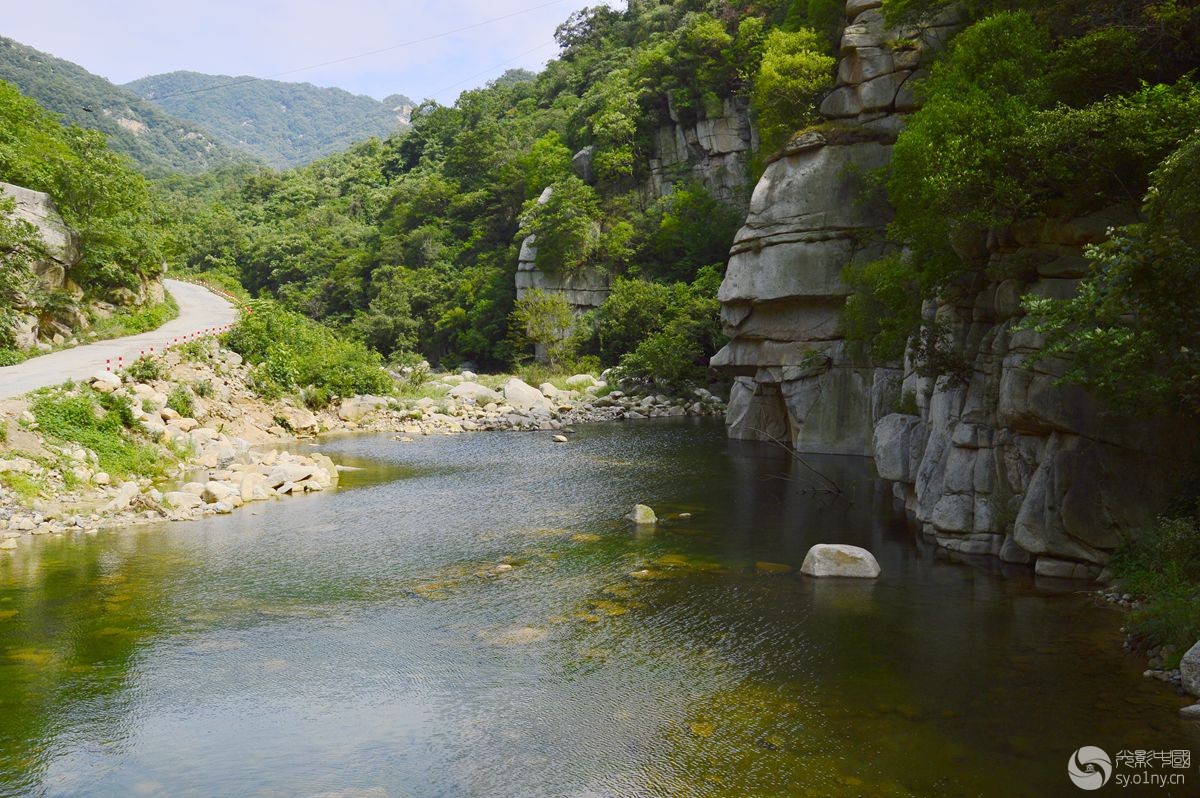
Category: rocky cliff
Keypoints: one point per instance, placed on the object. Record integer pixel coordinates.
(712, 151)
(39, 325)
(810, 216)
(991, 457)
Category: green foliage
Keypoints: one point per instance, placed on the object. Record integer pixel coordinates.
(146, 368)
(1138, 310)
(1163, 565)
(1013, 127)
(182, 401)
(157, 142)
(281, 124)
(676, 353)
(96, 190)
(542, 320)
(633, 310)
(688, 230)
(136, 320)
(794, 71)
(101, 422)
(566, 226)
(291, 352)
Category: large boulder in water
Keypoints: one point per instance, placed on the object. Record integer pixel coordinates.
(836, 559)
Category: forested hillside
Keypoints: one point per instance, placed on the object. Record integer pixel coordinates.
(103, 199)
(156, 141)
(411, 243)
(281, 124)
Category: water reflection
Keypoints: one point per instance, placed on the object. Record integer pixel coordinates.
(472, 617)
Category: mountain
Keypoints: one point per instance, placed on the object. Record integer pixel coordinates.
(156, 141)
(284, 124)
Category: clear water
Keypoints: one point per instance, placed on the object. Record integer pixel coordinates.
(362, 643)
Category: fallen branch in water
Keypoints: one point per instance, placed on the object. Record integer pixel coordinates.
(831, 487)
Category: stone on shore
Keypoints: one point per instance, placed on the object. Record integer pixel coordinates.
(524, 396)
(837, 559)
(356, 408)
(182, 500)
(642, 515)
(480, 394)
(1189, 670)
(105, 381)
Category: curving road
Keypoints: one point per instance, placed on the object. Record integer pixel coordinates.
(199, 309)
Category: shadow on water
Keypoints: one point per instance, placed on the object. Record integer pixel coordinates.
(470, 616)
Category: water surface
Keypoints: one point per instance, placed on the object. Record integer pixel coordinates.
(364, 642)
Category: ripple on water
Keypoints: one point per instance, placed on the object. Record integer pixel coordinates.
(471, 615)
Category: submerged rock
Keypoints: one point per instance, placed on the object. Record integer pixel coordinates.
(642, 515)
(836, 559)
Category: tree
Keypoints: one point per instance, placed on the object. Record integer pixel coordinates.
(794, 70)
(543, 320)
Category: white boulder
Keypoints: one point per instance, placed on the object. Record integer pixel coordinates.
(837, 559)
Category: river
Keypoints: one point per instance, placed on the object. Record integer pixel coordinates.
(459, 619)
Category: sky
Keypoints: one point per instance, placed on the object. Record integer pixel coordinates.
(130, 39)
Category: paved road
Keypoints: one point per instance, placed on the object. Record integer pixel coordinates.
(199, 308)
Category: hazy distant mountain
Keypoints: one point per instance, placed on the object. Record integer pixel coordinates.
(158, 142)
(284, 124)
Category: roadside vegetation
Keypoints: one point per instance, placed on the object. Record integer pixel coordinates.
(101, 422)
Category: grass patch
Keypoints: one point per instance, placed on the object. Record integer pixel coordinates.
(1162, 566)
(11, 357)
(181, 401)
(101, 422)
(25, 487)
(136, 320)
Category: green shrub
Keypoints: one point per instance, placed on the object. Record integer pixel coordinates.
(146, 368)
(101, 422)
(290, 351)
(542, 321)
(11, 357)
(181, 401)
(794, 71)
(1132, 333)
(1162, 565)
(203, 388)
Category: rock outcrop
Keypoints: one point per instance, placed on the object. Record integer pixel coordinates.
(59, 252)
(713, 151)
(995, 458)
(1000, 459)
(811, 216)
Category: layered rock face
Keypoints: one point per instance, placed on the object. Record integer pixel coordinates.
(992, 459)
(810, 216)
(998, 458)
(713, 151)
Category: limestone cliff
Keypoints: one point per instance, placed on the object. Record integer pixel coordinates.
(810, 216)
(714, 151)
(994, 458)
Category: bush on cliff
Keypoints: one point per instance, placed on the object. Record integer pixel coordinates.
(294, 352)
(1004, 135)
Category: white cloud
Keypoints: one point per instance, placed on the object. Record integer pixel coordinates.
(128, 40)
